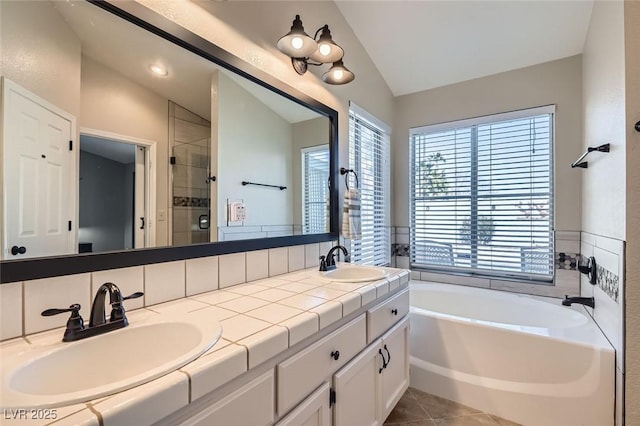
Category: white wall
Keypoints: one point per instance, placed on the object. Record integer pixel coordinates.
(603, 203)
(557, 82)
(113, 103)
(40, 56)
(254, 144)
(632, 272)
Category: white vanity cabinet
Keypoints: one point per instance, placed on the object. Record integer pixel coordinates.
(252, 404)
(352, 376)
(368, 387)
(313, 411)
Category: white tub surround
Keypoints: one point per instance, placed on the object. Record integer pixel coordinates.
(295, 324)
(524, 358)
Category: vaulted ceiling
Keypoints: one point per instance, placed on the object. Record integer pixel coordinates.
(419, 45)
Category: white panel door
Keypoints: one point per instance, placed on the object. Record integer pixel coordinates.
(39, 172)
(395, 376)
(358, 389)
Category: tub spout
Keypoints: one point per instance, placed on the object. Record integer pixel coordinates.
(587, 301)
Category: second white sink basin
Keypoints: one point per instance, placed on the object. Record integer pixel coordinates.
(68, 373)
(354, 273)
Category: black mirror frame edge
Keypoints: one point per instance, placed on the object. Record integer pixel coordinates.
(44, 267)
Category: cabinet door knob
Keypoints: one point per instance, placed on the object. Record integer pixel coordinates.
(394, 311)
(335, 355)
(15, 250)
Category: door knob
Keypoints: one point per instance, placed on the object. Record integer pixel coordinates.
(15, 250)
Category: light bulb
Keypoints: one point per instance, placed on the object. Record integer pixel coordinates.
(338, 74)
(297, 42)
(324, 49)
(159, 70)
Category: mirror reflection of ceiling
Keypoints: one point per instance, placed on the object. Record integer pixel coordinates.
(131, 51)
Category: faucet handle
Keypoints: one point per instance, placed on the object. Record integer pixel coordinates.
(75, 323)
(74, 309)
(323, 264)
(134, 295)
(117, 310)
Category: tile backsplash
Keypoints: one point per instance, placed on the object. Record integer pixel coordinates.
(22, 302)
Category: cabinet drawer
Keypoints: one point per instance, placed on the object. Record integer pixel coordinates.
(387, 313)
(306, 370)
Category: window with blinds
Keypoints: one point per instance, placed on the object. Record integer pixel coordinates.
(369, 157)
(482, 195)
(315, 189)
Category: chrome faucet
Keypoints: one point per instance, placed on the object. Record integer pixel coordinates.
(328, 262)
(98, 322)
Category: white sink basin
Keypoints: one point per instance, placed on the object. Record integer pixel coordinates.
(354, 273)
(68, 373)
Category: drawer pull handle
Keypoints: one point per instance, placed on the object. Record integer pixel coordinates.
(384, 362)
(388, 356)
(394, 311)
(335, 355)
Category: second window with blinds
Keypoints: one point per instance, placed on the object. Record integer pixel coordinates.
(369, 157)
(482, 195)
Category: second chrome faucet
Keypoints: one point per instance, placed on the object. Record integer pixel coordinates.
(98, 323)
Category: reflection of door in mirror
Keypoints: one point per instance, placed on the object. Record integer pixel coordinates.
(190, 142)
(38, 165)
(112, 195)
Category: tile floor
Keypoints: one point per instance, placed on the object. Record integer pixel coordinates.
(417, 408)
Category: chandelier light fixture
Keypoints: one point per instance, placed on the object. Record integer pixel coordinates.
(305, 50)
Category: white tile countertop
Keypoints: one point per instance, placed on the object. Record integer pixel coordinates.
(259, 319)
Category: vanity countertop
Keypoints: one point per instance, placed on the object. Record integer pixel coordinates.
(259, 319)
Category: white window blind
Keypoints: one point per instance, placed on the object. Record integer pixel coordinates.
(482, 195)
(369, 157)
(315, 190)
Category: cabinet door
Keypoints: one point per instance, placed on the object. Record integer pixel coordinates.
(306, 370)
(358, 388)
(251, 405)
(313, 411)
(395, 376)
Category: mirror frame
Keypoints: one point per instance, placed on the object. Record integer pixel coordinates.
(20, 270)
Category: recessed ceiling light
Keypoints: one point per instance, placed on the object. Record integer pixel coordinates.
(159, 70)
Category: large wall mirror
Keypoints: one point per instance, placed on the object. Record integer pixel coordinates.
(127, 140)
